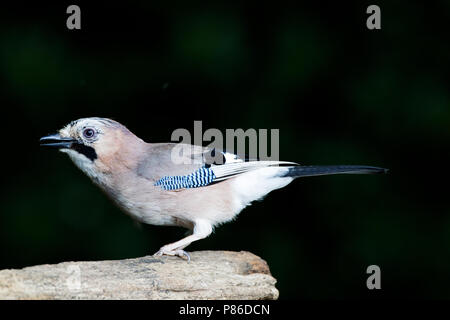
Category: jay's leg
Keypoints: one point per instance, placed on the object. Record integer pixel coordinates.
(202, 229)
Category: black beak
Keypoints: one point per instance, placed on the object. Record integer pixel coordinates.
(56, 141)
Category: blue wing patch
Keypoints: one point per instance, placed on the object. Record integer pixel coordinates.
(201, 177)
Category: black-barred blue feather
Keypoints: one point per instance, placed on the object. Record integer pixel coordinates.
(201, 177)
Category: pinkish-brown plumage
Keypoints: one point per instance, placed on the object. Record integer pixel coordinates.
(126, 168)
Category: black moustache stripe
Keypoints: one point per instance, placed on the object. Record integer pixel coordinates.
(89, 152)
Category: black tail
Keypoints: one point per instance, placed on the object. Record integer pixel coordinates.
(309, 171)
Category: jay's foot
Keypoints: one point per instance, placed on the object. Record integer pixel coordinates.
(177, 252)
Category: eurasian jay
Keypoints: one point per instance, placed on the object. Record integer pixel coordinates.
(195, 193)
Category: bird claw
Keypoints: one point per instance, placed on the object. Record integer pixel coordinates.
(178, 252)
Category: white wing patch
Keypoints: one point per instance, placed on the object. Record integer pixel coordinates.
(231, 158)
(228, 170)
(232, 166)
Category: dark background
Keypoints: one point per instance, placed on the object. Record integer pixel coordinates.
(338, 92)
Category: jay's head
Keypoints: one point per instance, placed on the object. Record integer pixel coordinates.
(95, 145)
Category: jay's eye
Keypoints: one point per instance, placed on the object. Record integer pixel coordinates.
(89, 133)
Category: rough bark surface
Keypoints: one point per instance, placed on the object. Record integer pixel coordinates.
(209, 275)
